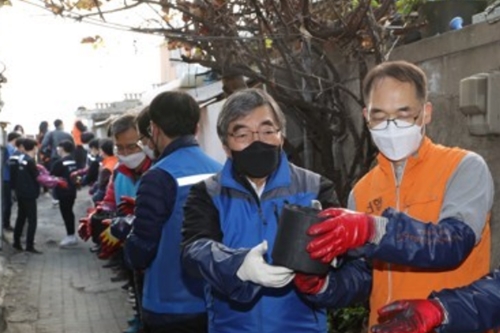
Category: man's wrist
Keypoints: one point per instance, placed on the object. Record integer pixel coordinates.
(441, 309)
(379, 224)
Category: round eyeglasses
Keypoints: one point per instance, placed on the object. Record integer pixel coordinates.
(402, 121)
(245, 135)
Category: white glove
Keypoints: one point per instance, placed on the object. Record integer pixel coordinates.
(256, 270)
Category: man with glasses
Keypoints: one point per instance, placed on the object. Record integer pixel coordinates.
(421, 215)
(133, 161)
(230, 223)
(124, 182)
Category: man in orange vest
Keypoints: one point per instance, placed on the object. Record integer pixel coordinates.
(420, 217)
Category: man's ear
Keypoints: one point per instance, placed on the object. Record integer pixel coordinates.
(227, 150)
(198, 130)
(365, 114)
(427, 112)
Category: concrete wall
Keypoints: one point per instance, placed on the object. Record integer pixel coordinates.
(447, 59)
(207, 135)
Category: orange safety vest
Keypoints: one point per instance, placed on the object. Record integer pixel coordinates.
(109, 163)
(77, 136)
(420, 195)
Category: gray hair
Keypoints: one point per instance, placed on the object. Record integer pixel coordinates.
(122, 124)
(241, 104)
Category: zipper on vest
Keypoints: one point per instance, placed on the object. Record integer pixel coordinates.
(398, 179)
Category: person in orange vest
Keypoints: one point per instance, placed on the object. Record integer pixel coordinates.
(418, 221)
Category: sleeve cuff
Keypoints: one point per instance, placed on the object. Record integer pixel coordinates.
(380, 229)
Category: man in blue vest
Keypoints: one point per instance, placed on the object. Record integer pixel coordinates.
(133, 163)
(172, 301)
(231, 222)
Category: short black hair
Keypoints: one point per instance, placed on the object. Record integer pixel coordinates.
(94, 143)
(106, 146)
(29, 144)
(19, 128)
(67, 146)
(12, 136)
(19, 142)
(86, 137)
(175, 112)
(43, 127)
(400, 70)
(57, 123)
(79, 124)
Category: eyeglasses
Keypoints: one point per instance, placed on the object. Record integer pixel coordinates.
(127, 149)
(379, 124)
(245, 135)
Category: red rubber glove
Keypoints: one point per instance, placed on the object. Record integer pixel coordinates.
(84, 229)
(410, 316)
(309, 284)
(61, 183)
(126, 206)
(343, 230)
(103, 206)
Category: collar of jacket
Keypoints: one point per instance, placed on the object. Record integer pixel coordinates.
(413, 160)
(279, 178)
(180, 142)
(68, 157)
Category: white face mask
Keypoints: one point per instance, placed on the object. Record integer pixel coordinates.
(397, 143)
(132, 161)
(149, 152)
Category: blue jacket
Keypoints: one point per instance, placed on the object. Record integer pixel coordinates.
(474, 308)
(124, 186)
(171, 290)
(8, 151)
(224, 218)
(154, 242)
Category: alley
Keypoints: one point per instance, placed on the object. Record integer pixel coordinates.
(61, 290)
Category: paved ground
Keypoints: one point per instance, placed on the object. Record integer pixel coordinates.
(61, 290)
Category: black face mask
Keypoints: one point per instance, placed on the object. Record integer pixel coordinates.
(258, 160)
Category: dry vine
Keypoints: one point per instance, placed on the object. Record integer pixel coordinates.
(297, 48)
